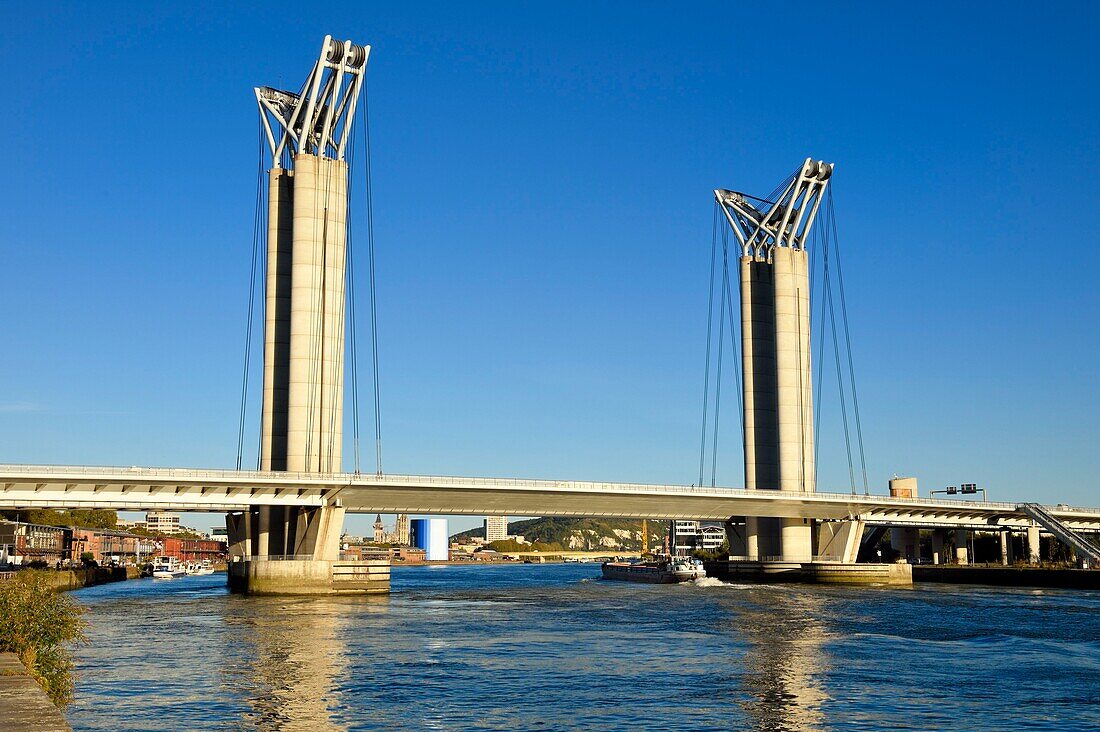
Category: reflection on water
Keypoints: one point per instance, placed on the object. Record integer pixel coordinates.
(786, 661)
(553, 647)
(292, 654)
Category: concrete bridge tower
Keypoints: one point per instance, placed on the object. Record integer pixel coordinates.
(308, 133)
(775, 339)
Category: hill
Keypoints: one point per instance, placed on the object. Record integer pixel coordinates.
(580, 534)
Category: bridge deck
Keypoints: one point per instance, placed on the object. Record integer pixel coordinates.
(183, 489)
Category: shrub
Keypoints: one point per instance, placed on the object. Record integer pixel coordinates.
(36, 622)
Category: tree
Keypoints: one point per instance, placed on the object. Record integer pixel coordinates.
(710, 555)
(37, 622)
(92, 519)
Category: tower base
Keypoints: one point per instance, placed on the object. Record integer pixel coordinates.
(258, 576)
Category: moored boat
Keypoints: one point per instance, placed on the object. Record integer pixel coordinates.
(662, 571)
(167, 568)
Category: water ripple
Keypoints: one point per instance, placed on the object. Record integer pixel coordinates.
(552, 647)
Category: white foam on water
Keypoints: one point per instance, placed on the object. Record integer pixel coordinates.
(710, 582)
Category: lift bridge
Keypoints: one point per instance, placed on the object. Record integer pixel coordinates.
(286, 518)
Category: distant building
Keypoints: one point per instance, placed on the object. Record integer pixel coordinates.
(401, 530)
(711, 537)
(496, 528)
(431, 536)
(685, 536)
(379, 530)
(111, 545)
(21, 543)
(407, 554)
(691, 535)
(190, 550)
(162, 522)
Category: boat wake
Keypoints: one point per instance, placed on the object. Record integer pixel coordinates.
(710, 582)
(706, 582)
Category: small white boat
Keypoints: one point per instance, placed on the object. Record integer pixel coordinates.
(167, 568)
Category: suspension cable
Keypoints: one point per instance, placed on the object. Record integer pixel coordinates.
(349, 286)
(710, 325)
(734, 339)
(734, 344)
(848, 341)
(257, 212)
(718, 377)
(822, 242)
(840, 378)
(373, 288)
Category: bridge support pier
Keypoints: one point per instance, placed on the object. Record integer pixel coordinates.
(1006, 548)
(939, 537)
(962, 548)
(839, 541)
(312, 566)
(1033, 554)
(735, 536)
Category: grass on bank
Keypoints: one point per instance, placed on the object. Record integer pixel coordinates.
(36, 622)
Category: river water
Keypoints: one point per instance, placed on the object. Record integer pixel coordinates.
(552, 647)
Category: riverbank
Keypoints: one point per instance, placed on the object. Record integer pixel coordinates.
(75, 579)
(24, 706)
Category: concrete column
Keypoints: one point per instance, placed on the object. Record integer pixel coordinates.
(246, 541)
(1033, 545)
(797, 539)
(752, 538)
(792, 365)
(317, 307)
(762, 535)
(263, 534)
(962, 550)
(758, 369)
(938, 539)
(735, 536)
(1006, 548)
(794, 398)
(277, 319)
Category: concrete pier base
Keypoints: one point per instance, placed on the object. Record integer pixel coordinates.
(312, 566)
(899, 573)
(258, 576)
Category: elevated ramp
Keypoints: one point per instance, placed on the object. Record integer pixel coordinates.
(1037, 513)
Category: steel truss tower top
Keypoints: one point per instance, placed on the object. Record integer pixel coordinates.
(318, 119)
(761, 225)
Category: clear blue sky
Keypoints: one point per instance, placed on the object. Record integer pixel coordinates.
(543, 208)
